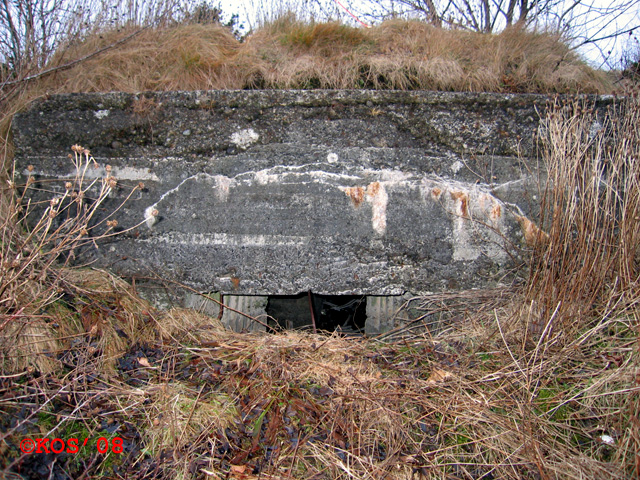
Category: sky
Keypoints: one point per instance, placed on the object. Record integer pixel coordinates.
(589, 19)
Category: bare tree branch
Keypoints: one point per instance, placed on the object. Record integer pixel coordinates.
(584, 22)
(612, 35)
(67, 66)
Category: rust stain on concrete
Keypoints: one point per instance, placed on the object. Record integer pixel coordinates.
(356, 194)
(373, 189)
(533, 235)
(496, 212)
(462, 203)
(376, 195)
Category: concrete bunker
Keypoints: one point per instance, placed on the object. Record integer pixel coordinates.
(265, 195)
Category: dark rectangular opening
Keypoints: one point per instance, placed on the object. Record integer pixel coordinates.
(343, 313)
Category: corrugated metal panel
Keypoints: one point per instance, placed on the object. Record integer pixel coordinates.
(202, 304)
(252, 305)
(381, 311)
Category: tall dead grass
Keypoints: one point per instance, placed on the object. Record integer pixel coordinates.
(48, 308)
(32, 284)
(473, 402)
(188, 57)
(290, 53)
(588, 260)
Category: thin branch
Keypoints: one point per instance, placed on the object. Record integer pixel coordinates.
(606, 37)
(71, 64)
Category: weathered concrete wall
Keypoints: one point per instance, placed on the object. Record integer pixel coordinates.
(280, 192)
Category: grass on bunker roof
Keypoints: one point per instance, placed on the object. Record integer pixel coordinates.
(537, 381)
(289, 53)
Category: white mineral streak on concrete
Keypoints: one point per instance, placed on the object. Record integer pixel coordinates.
(513, 183)
(318, 176)
(151, 219)
(289, 175)
(100, 114)
(378, 198)
(264, 178)
(375, 193)
(92, 173)
(456, 166)
(221, 185)
(477, 218)
(244, 138)
(211, 239)
(389, 177)
(134, 174)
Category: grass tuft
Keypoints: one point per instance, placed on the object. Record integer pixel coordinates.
(291, 53)
(189, 57)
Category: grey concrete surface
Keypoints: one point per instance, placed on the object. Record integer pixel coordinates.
(281, 192)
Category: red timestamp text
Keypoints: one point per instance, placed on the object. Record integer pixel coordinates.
(71, 445)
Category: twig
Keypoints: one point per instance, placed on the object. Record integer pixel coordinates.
(313, 317)
(186, 425)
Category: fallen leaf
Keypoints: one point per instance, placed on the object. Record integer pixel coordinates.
(144, 362)
(438, 375)
(238, 468)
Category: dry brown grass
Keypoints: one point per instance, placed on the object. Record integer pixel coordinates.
(588, 262)
(47, 309)
(180, 413)
(189, 57)
(187, 326)
(31, 282)
(289, 53)
(476, 400)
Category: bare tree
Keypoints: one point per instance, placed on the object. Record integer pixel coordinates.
(477, 15)
(32, 30)
(583, 22)
(145, 12)
(599, 27)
